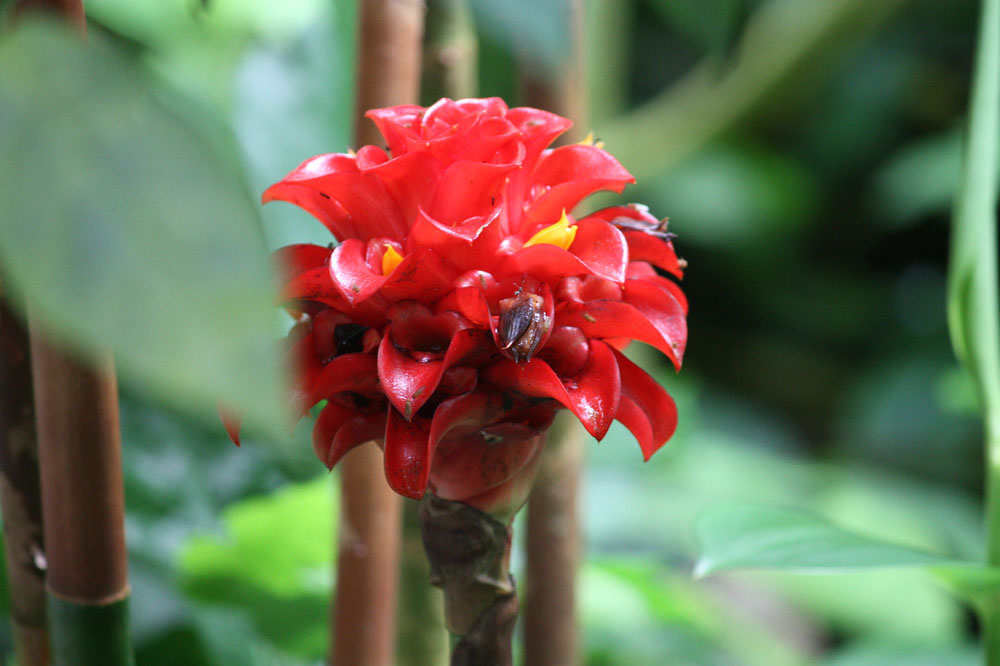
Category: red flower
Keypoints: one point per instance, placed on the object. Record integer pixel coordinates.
(464, 304)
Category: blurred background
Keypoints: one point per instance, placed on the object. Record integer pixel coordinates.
(806, 154)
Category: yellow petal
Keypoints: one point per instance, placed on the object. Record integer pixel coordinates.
(589, 141)
(560, 234)
(390, 260)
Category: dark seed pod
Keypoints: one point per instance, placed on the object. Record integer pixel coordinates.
(523, 325)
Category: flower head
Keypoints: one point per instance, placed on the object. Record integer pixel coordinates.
(465, 303)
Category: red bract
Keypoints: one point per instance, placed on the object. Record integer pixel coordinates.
(464, 304)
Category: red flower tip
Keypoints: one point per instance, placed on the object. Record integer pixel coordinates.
(232, 423)
(465, 303)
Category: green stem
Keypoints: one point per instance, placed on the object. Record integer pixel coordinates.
(781, 39)
(973, 311)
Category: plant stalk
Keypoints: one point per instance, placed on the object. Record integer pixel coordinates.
(973, 310)
(83, 507)
(551, 635)
(20, 496)
(80, 477)
(364, 609)
(781, 38)
(553, 540)
(449, 70)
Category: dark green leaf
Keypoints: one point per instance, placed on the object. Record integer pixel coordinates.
(125, 231)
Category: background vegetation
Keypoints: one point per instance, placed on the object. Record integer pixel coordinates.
(806, 153)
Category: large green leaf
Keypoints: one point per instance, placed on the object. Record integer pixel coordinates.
(741, 536)
(125, 230)
(275, 563)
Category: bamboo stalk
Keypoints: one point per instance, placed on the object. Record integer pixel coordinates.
(449, 70)
(551, 635)
(364, 610)
(553, 540)
(83, 507)
(20, 495)
(82, 491)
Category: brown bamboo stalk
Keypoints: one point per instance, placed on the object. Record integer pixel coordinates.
(553, 540)
(80, 475)
(449, 69)
(20, 491)
(20, 494)
(79, 449)
(551, 636)
(83, 505)
(364, 610)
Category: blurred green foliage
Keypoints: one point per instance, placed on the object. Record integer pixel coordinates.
(810, 192)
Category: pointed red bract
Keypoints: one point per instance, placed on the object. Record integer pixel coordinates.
(407, 454)
(646, 408)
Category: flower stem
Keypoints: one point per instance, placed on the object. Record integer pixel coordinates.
(469, 555)
(20, 495)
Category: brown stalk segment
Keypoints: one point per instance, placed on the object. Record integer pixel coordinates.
(83, 502)
(364, 609)
(551, 636)
(449, 70)
(20, 494)
(389, 40)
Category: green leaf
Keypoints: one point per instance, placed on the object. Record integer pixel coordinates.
(125, 231)
(739, 536)
(275, 561)
(280, 543)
